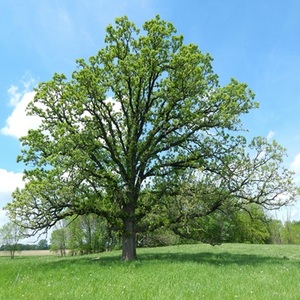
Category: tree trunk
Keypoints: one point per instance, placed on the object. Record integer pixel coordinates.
(128, 235)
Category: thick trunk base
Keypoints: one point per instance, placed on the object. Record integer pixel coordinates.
(128, 248)
(128, 241)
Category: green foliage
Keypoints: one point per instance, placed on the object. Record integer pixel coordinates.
(42, 245)
(90, 234)
(284, 233)
(290, 232)
(159, 237)
(134, 119)
(83, 235)
(249, 225)
(58, 241)
(207, 210)
(10, 234)
(275, 229)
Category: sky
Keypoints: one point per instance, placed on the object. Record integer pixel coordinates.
(256, 42)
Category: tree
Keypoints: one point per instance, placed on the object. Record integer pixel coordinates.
(133, 120)
(42, 245)
(250, 225)
(58, 240)
(275, 228)
(10, 234)
(93, 233)
(89, 234)
(84, 234)
(291, 232)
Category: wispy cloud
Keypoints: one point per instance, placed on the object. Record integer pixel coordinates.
(270, 135)
(18, 122)
(295, 166)
(15, 95)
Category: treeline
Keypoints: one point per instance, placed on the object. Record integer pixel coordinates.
(287, 233)
(42, 245)
(91, 234)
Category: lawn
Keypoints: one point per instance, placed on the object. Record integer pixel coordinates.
(229, 271)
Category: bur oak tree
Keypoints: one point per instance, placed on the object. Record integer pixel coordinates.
(132, 120)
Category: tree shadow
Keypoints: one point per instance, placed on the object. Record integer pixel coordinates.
(211, 258)
(217, 259)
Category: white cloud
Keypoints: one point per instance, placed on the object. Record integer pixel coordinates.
(9, 181)
(15, 96)
(18, 123)
(295, 166)
(270, 135)
(3, 217)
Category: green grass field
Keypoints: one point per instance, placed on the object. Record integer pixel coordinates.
(229, 271)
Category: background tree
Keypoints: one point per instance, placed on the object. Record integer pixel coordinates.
(290, 232)
(10, 235)
(42, 245)
(275, 229)
(249, 225)
(134, 119)
(58, 240)
(83, 235)
(89, 234)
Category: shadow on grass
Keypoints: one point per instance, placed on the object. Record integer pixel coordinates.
(216, 259)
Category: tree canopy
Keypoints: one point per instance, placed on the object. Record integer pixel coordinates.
(123, 137)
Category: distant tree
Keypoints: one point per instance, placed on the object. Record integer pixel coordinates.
(27, 247)
(42, 245)
(133, 120)
(291, 232)
(10, 235)
(249, 225)
(85, 234)
(75, 241)
(58, 240)
(88, 234)
(93, 233)
(275, 228)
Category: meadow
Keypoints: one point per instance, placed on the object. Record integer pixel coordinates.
(229, 271)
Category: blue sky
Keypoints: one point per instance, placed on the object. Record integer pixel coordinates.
(255, 41)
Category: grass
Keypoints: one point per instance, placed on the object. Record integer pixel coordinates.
(230, 271)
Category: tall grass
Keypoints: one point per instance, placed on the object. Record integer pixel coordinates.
(231, 271)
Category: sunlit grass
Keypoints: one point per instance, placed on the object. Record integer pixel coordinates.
(231, 271)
